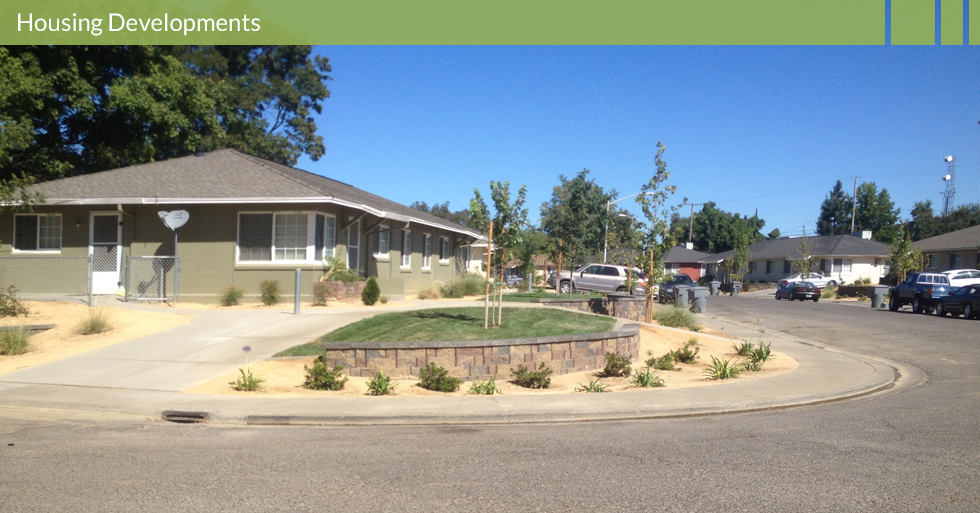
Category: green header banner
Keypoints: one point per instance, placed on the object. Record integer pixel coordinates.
(384, 22)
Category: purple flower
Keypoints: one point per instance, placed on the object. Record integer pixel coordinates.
(247, 348)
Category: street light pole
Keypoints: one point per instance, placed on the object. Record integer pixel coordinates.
(605, 231)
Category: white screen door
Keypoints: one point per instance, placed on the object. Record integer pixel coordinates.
(106, 252)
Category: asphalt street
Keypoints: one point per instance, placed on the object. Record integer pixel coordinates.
(917, 449)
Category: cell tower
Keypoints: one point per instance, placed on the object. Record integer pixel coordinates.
(950, 179)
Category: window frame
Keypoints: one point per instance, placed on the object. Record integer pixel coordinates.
(426, 251)
(314, 254)
(384, 243)
(37, 234)
(406, 260)
(445, 248)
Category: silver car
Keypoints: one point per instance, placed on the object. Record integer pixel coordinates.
(601, 278)
(961, 277)
(817, 279)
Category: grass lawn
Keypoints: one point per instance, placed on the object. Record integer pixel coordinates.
(443, 324)
(527, 297)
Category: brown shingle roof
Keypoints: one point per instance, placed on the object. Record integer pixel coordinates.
(224, 176)
(967, 238)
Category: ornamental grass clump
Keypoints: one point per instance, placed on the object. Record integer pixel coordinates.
(594, 387)
(9, 305)
(96, 322)
(723, 369)
(15, 340)
(231, 296)
(247, 382)
(484, 387)
(381, 384)
(677, 317)
(647, 379)
(436, 378)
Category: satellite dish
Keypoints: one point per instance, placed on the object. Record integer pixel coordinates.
(949, 158)
(947, 178)
(175, 219)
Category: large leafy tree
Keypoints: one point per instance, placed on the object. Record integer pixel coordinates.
(716, 230)
(68, 110)
(441, 210)
(835, 212)
(577, 215)
(876, 212)
(924, 223)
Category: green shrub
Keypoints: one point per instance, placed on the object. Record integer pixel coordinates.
(676, 317)
(247, 382)
(15, 340)
(436, 378)
(665, 362)
(594, 387)
(381, 384)
(617, 365)
(321, 291)
(270, 292)
(429, 292)
(647, 379)
(96, 322)
(371, 292)
(469, 284)
(9, 305)
(231, 296)
(757, 356)
(384, 300)
(485, 387)
(540, 378)
(829, 292)
(688, 353)
(322, 377)
(723, 369)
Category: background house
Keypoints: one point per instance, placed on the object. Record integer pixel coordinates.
(954, 250)
(845, 257)
(680, 259)
(250, 220)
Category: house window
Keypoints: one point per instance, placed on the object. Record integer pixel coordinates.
(444, 249)
(37, 232)
(427, 251)
(285, 237)
(325, 237)
(753, 267)
(787, 267)
(406, 248)
(671, 269)
(770, 266)
(383, 242)
(955, 260)
(291, 236)
(932, 262)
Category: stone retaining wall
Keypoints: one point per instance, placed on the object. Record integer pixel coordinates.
(632, 308)
(483, 359)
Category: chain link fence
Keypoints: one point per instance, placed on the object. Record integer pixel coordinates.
(152, 278)
(48, 278)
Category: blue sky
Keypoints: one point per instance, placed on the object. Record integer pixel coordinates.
(746, 127)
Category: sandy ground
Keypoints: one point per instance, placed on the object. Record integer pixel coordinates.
(284, 377)
(62, 341)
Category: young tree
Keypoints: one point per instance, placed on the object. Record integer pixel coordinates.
(835, 212)
(902, 257)
(738, 262)
(657, 239)
(577, 214)
(509, 220)
(803, 263)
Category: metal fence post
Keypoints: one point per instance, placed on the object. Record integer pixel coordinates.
(90, 280)
(299, 273)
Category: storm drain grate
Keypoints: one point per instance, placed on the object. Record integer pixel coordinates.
(185, 417)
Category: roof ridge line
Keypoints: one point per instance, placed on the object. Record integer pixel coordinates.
(263, 163)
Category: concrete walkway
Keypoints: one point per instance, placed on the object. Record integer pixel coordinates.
(144, 377)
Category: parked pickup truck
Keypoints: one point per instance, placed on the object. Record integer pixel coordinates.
(921, 290)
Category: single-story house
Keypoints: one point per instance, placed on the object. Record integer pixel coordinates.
(681, 259)
(846, 257)
(250, 220)
(953, 250)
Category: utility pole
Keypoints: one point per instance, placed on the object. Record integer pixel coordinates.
(854, 200)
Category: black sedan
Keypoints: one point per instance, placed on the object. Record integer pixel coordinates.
(964, 300)
(801, 290)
